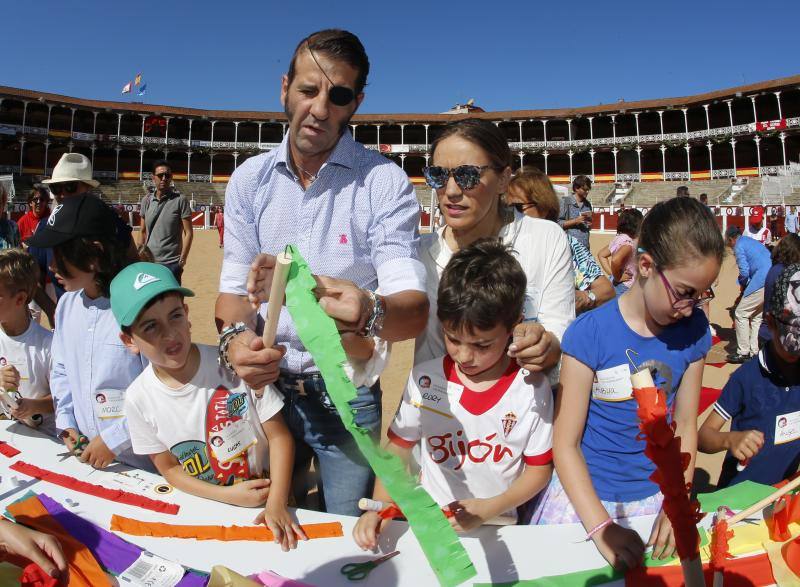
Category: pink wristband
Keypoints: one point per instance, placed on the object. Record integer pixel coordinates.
(596, 529)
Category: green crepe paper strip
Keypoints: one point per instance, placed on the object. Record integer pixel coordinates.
(737, 497)
(319, 335)
(649, 561)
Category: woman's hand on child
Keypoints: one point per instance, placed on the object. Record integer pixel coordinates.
(532, 346)
(9, 377)
(662, 538)
(97, 454)
(621, 547)
(745, 444)
(469, 514)
(367, 529)
(250, 493)
(284, 528)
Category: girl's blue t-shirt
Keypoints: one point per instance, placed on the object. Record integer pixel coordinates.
(599, 339)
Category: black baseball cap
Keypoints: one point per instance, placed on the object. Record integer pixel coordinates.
(83, 215)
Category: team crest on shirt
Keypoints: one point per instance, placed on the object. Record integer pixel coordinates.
(509, 421)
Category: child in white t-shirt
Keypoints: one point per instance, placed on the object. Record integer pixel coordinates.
(484, 424)
(201, 426)
(24, 346)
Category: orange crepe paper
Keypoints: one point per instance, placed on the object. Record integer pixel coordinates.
(664, 449)
(720, 552)
(748, 571)
(84, 571)
(224, 533)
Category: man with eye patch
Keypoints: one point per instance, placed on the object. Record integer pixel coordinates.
(353, 215)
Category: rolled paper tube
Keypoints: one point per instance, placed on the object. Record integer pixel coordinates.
(371, 505)
(642, 379)
(757, 507)
(276, 293)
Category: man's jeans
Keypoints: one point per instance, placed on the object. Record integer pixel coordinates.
(176, 269)
(345, 475)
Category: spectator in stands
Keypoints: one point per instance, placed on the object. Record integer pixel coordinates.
(682, 192)
(38, 211)
(9, 232)
(756, 229)
(532, 193)
(166, 222)
(704, 200)
(790, 221)
(618, 258)
(754, 263)
(773, 223)
(219, 222)
(787, 252)
(575, 214)
(354, 216)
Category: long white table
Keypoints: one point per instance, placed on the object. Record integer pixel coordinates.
(500, 554)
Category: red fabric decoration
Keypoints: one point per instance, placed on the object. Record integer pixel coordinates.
(719, 545)
(748, 571)
(664, 449)
(7, 450)
(34, 576)
(116, 495)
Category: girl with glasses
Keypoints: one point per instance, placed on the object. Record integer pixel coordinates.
(602, 473)
(470, 170)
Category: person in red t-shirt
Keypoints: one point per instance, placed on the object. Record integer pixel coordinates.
(219, 222)
(38, 208)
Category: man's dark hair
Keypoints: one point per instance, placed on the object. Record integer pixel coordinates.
(161, 163)
(482, 134)
(629, 222)
(704, 197)
(682, 191)
(339, 45)
(581, 182)
(482, 286)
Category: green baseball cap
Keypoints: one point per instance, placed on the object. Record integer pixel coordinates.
(136, 285)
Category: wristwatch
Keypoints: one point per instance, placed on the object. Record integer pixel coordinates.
(375, 321)
(592, 297)
(225, 338)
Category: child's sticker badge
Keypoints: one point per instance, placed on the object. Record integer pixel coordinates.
(787, 427)
(232, 440)
(109, 404)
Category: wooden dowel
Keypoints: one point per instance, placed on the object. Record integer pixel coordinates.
(757, 507)
(276, 293)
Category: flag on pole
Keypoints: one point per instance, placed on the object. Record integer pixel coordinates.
(126, 89)
(138, 79)
(142, 89)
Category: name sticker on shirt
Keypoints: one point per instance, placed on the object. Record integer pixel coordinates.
(232, 440)
(787, 427)
(109, 404)
(613, 384)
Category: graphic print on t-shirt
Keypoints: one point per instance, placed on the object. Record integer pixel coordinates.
(227, 410)
(193, 457)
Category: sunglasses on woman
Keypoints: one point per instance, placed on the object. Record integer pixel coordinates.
(466, 176)
(68, 187)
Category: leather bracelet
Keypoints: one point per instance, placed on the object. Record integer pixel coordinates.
(225, 338)
(596, 529)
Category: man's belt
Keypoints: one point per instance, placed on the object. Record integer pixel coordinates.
(302, 384)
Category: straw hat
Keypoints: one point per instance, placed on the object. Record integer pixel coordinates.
(73, 167)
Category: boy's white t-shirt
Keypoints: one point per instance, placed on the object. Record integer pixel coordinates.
(474, 444)
(214, 407)
(30, 354)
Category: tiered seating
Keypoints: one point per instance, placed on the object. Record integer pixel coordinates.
(645, 194)
(202, 192)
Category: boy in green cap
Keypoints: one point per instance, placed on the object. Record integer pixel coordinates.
(201, 426)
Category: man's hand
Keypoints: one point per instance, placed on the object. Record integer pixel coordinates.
(345, 302)
(532, 346)
(26, 408)
(257, 365)
(259, 279)
(97, 454)
(9, 377)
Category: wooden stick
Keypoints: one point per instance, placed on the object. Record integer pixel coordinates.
(757, 507)
(276, 293)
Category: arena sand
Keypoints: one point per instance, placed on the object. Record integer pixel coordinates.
(202, 276)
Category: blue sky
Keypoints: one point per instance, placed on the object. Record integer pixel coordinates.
(425, 56)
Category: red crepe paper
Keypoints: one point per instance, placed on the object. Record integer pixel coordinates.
(720, 552)
(664, 449)
(717, 365)
(715, 340)
(708, 395)
(116, 495)
(748, 571)
(7, 450)
(34, 576)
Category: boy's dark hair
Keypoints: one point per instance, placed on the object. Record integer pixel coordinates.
(629, 222)
(678, 230)
(19, 271)
(341, 46)
(788, 250)
(163, 295)
(581, 182)
(482, 134)
(161, 163)
(682, 191)
(103, 256)
(482, 286)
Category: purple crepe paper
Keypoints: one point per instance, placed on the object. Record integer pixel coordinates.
(112, 552)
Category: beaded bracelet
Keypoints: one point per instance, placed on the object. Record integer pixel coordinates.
(596, 529)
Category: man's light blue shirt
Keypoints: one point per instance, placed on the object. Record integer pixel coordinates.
(89, 358)
(754, 262)
(790, 222)
(357, 221)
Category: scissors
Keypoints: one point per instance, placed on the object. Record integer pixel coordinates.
(360, 571)
(77, 450)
